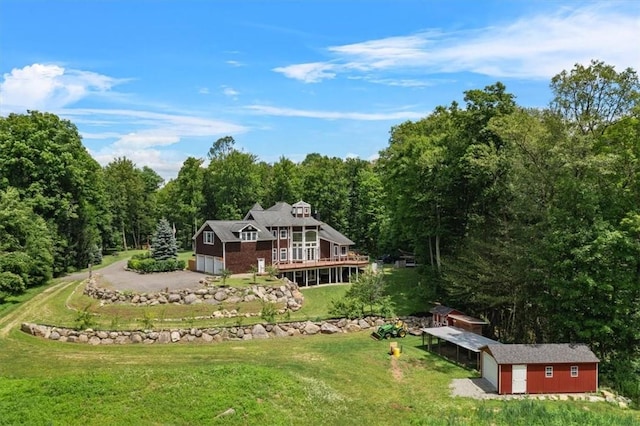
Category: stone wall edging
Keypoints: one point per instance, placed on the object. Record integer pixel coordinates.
(288, 294)
(214, 334)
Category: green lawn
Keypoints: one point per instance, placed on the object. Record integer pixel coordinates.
(310, 380)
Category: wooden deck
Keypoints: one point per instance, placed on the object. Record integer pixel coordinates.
(353, 261)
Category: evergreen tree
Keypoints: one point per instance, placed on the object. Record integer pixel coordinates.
(163, 245)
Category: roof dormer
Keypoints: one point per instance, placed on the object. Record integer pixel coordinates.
(301, 209)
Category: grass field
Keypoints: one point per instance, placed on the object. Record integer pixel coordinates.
(312, 380)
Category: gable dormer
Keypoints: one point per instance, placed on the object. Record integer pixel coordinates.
(301, 209)
(247, 233)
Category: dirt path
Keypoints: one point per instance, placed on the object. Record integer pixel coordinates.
(29, 307)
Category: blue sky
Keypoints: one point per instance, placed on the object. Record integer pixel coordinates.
(158, 81)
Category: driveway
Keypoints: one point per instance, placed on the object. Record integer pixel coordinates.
(115, 276)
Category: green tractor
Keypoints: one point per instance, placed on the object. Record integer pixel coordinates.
(387, 331)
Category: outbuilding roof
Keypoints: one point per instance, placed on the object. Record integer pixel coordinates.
(441, 310)
(549, 353)
(465, 339)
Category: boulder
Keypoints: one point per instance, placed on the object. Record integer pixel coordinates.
(259, 332)
(220, 295)
(351, 328)
(279, 332)
(95, 340)
(311, 328)
(363, 324)
(136, 338)
(175, 336)
(327, 328)
(54, 335)
(189, 299)
(102, 334)
(164, 337)
(206, 337)
(162, 300)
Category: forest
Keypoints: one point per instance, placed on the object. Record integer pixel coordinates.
(529, 218)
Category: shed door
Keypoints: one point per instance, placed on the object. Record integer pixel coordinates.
(490, 369)
(200, 263)
(208, 264)
(519, 378)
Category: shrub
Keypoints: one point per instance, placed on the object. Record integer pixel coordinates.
(148, 265)
(84, 319)
(346, 308)
(10, 284)
(269, 311)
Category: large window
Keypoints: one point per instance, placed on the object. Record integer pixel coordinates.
(344, 250)
(208, 237)
(283, 254)
(249, 236)
(548, 372)
(574, 371)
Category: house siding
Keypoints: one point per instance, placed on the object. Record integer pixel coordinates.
(214, 249)
(239, 256)
(325, 249)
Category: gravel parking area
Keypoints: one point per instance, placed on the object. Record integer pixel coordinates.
(115, 276)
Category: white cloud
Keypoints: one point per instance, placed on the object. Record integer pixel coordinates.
(537, 46)
(230, 92)
(204, 91)
(234, 63)
(309, 73)
(48, 86)
(165, 163)
(336, 115)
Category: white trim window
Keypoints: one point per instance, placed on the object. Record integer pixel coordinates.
(249, 236)
(343, 250)
(574, 371)
(336, 250)
(283, 254)
(274, 232)
(208, 237)
(274, 255)
(548, 372)
(283, 234)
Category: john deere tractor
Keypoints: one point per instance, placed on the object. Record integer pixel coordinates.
(387, 331)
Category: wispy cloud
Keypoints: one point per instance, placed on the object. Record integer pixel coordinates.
(536, 46)
(230, 92)
(234, 63)
(335, 115)
(203, 91)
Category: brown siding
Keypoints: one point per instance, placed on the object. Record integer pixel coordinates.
(214, 249)
(505, 378)
(240, 256)
(325, 249)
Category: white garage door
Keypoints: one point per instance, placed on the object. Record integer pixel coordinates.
(218, 265)
(200, 263)
(208, 265)
(490, 369)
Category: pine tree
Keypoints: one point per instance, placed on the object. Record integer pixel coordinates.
(163, 244)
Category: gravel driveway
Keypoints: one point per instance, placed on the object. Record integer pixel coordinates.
(116, 277)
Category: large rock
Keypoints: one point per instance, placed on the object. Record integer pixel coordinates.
(175, 336)
(363, 324)
(220, 295)
(259, 332)
(164, 337)
(136, 338)
(206, 337)
(352, 328)
(190, 299)
(328, 328)
(279, 332)
(162, 300)
(311, 328)
(174, 298)
(95, 340)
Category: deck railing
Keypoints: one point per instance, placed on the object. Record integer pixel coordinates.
(355, 260)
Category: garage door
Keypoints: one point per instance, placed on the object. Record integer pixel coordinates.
(200, 263)
(208, 265)
(490, 369)
(218, 265)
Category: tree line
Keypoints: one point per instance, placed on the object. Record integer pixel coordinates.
(529, 218)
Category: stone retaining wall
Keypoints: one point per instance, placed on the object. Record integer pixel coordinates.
(214, 334)
(288, 294)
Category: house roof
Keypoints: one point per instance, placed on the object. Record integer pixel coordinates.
(465, 339)
(441, 310)
(330, 234)
(226, 230)
(280, 215)
(550, 353)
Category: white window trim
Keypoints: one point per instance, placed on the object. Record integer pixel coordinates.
(274, 255)
(336, 250)
(283, 234)
(208, 237)
(574, 371)
(548, 372)
(283, 254)
(343, 250)
(248, 236)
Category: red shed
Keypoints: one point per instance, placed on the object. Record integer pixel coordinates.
(543, 368)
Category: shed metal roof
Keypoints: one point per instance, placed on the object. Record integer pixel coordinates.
(464, 339)
(549, 353)
(441, 310)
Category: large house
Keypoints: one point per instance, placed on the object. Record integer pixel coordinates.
(288, 237)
